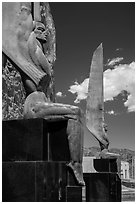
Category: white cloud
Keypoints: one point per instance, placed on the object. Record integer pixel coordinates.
(111, 112)
(60, 94)
(81, 90)
(130, 103)
(114, 61)
(116, 80)
(122, 77)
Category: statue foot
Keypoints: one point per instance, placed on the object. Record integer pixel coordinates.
(77, 170)
(105, 154)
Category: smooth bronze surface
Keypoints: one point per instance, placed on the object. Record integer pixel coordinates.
(95, 99)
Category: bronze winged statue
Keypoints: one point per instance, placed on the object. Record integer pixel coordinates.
(29, 42)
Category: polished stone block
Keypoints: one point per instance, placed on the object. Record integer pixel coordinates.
(92, 165)
(73, 194)
(37, 182)
(35, 140)
(102, 187)
(18, 181)
(105, 165)
(35, 153)
(34, 181)
(51, 180)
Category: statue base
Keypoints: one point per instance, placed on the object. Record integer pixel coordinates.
(102, 187)
(35, 153)
(37, 181)
(102, 180)
(35, 140)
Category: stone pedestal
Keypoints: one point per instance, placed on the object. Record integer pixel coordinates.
(73, 194)
(34, 181)
(104, 185)
(35, 140)
(35, 153)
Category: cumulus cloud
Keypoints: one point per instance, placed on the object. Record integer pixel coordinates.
(81, 90)
(130, 103)
(114, 61)
(60, 94)
(117, 80)
(122, 77)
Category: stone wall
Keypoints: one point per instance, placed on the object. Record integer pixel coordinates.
(13, 93)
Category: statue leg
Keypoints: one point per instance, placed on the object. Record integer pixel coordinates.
(36, 107)
(75, 139)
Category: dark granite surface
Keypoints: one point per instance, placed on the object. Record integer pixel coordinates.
(34, 139)
(102, 187)
(105, 165)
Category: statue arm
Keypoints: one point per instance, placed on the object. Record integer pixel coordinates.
(46, 66)
(37, 55)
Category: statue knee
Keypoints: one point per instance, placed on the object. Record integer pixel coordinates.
(78, 112)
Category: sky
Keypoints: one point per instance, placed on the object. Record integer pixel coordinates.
(80, 28)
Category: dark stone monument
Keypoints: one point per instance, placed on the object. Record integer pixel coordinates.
(42, 145)
(34, 168)
(104, 185)
(35, 140)
(35, 153)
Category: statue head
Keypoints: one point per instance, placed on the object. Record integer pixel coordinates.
(41, 32)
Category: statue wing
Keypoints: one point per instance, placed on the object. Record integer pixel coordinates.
(14, 48)
(95, 99)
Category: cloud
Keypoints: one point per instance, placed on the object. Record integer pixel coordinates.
(117, 80)
(114, 61)
(60, 94)
(119, 49)
(81, 90)
(130, 103)
(111, 112)
(121, 78)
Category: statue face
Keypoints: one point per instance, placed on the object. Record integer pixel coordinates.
(40, 32)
